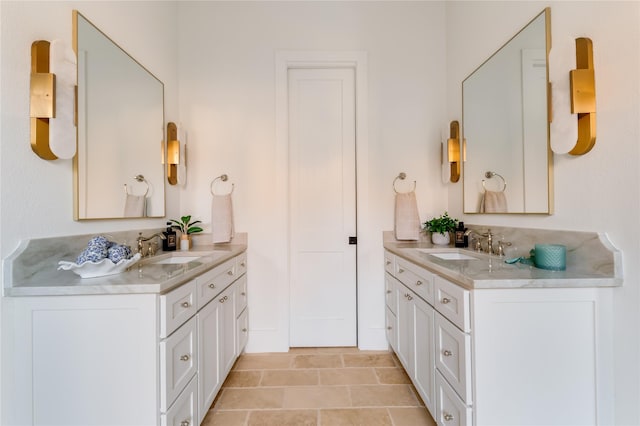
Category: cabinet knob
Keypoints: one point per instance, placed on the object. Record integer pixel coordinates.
(223, 299)
(185, 423)
(447, 352)
(185, 357)
(445, 300)
(243, 264)
(418, 282)
(186, 304)
(409, 297)
(447, 417)
(244, 330)
(400, 270)
(230, 273)
(388, 291)
(388, 327)
(243, 294)
(388, 262)
(212, 285)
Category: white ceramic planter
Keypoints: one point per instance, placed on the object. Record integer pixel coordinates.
(440, 239)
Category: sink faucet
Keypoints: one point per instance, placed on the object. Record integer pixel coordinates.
(142, 239)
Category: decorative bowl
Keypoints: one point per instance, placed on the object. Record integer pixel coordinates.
(98, 269)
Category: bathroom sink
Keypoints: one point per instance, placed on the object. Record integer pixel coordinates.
(448, 255)
(176, 260)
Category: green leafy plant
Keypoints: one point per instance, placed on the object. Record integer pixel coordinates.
(185, 225)
(441, 224)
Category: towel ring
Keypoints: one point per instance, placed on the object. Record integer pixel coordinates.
(138, 178)
(489, 175)
(402, 176)
(223, 178)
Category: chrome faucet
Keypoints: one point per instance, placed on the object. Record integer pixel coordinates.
(142, 239)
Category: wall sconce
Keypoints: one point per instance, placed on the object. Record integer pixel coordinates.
(52, 100)
(583, 96)
(452, 152)
(173, 153)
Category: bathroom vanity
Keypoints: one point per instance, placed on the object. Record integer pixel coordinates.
(488, 343)
(150, 346)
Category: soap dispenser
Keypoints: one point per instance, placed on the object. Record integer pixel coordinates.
(171, 241)
(460, 239)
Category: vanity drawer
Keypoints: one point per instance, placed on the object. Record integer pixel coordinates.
(213, 282)
(183, 412)
(452, 301)
(178, 362)
(417, 279)
(453, 357)
(450, 409)
(241, 264)
(391, 293)
(389, 262)
(176, 307)
(241, 295)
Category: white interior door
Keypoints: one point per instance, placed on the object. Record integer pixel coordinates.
(322, 196)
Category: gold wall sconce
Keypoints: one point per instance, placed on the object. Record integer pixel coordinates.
(583, 96)
(52, 100)
(42, 99)
(453, 151)
(173, 153)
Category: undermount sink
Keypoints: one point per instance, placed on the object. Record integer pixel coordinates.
(448, 255)
(176, 260)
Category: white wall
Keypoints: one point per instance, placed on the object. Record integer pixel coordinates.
(227, 104)
(595, 192)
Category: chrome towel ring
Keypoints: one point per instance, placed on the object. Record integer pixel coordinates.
(490, 175)
(402, 176)
(223, 178)
(138, 178)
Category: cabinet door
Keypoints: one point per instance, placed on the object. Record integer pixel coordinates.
(391, 323)
(242, 331)
(227, 329)
(209, 376)
(178, 363)
(405, 329)
(424, 373)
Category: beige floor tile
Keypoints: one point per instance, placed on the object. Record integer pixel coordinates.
(316, 397)
(347, 376)
(318, 361)
(263, 362)
(383, 396)
(284, 418)
(369, 360)
(392, 376)
(250, 398)
(411, 417)
(355, 417)
(225, 418)
(243, 379)
(289, 378)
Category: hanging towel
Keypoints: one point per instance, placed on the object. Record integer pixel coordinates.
(135, 205)
(493, 202)
(407, 221)
(222, 219)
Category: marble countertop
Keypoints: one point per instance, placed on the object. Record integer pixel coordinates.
(488, 272)
(143, 277)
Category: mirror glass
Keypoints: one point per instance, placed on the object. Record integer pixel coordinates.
(118, 170)
(506, 127)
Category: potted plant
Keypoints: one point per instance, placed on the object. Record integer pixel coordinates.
(441, 228)
(186, 228)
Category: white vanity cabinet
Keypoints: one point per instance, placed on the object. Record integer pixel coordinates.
(505, 356)
(125, 359)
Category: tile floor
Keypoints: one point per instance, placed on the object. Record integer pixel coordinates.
(318, 386)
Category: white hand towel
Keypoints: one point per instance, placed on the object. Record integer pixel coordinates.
(222, 228)
(135, 205)
(493, 202)
(407, 221)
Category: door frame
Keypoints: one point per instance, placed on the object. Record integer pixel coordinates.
(285, 60)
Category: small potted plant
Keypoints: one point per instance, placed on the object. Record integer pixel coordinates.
(441, 228)
(186, 228)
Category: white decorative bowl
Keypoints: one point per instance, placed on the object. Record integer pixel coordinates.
(98, 269)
